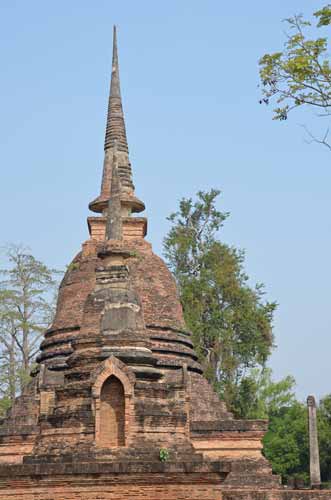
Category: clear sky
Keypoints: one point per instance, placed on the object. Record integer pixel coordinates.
(189, 78)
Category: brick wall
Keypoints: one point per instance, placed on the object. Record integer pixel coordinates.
(119, 492)
(133, 228)
(28, 491)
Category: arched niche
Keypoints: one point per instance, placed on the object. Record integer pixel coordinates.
(112, 413)
(112, 393)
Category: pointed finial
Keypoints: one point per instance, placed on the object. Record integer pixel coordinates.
(114, 216)
(115, 90)
(115, 127)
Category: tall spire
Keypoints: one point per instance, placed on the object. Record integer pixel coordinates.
(114, 217)
(116, 133)
(115, 127)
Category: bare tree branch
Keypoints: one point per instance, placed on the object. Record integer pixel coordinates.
(313, 138)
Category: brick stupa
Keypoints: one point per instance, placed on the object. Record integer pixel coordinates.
(118, 407)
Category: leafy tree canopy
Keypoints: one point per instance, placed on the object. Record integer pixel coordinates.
(27, 293)
(286, 444)
(324, 430)
(300, 74)
(230, 320)
(259, 396)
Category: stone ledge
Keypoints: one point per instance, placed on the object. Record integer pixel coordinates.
(229, 425)
(51, 470)
(67, 329)
(165, 327)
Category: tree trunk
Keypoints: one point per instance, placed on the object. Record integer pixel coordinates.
(12, 370)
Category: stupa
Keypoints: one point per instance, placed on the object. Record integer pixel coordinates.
(118, 407)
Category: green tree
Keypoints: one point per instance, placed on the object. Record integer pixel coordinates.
(324, 434)
(26, 309)
(9, 376)
(259, 396)
(300, 74)
(230, 321)
(286, 443)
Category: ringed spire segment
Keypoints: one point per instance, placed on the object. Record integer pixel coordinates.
(116, 133)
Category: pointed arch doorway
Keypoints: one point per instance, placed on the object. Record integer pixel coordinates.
(112, 413)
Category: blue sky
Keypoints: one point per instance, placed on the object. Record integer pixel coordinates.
(189, 78)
